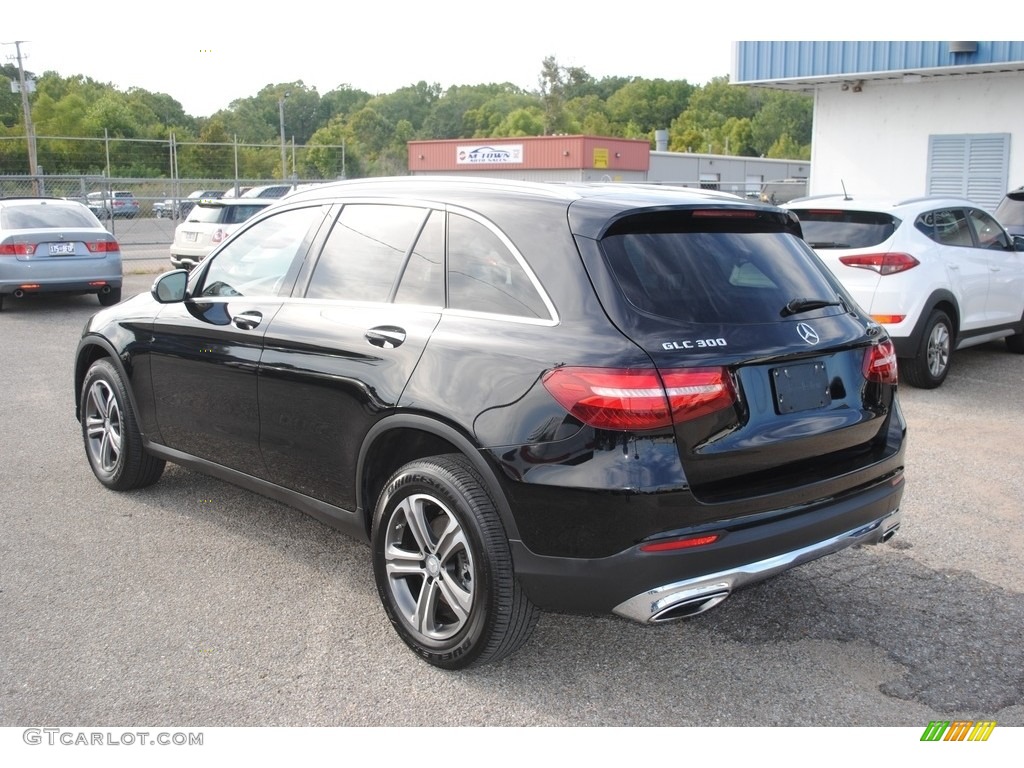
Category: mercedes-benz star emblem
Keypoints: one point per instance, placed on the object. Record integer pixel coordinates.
(807, 333)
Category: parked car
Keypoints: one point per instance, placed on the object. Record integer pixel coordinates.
(208, 224)
(116, 204)
(1010, 212)
(782, 191)
(270, 190)
(939, 273)
(177, 208)
(53, 245)
(522, 396)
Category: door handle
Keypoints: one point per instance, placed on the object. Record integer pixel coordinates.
(385, 337)
(247, 320)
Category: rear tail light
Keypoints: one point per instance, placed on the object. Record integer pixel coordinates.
(880, 363)
(629, 400)
(103, 246)
(219, 235)
(17, 249)
(882, 263)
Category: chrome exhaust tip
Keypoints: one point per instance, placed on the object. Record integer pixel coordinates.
(890, 533)
(690, 607)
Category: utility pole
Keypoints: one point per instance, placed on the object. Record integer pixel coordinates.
(30, 134)
(284, 154)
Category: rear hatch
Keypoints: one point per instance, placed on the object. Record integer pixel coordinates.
(776, 381)
(855, 245)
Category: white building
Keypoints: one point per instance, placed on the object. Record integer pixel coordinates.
(904, 118)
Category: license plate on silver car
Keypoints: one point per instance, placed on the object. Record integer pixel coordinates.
(191, 236)
(62, 249)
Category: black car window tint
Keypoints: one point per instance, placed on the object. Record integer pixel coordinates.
(365, 252)
(715, 277)
(259, 260)
(422, 280)
(484, 275)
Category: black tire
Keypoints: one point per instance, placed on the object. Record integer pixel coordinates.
(113, 443)
(1015, 343)
(934, 357)
(443, 567)
(110, 298)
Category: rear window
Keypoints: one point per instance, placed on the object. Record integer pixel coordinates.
(207, 214)
(223, 214)
(846, 229)
(715, 277)
(47, 217)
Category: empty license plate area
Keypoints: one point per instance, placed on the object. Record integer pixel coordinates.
(62, 249)
(800, 387)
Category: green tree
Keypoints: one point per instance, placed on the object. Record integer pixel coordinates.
(212, 157)
(484, 120)
(782, 114)
(527, 121)
(643, 106)
(412, 103)
(330, 152)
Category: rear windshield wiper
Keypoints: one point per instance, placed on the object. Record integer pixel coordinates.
(829, 244)
(796, 306)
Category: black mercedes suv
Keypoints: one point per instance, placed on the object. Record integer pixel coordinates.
(523, 396)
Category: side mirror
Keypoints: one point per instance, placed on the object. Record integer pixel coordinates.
(170, 287)
(1018, 242)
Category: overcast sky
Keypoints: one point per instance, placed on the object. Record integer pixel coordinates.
(206, 54)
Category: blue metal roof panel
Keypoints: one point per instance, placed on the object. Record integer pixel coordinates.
(774, 60)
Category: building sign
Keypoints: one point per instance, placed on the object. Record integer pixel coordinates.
(487, 154)
(600, 157)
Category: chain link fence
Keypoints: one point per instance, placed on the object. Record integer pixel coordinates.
(159, 200)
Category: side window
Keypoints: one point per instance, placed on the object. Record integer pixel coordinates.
(484, 275)
(422, 281)
(947, 226)
(987, 231)
(262, 259)
(366, 252)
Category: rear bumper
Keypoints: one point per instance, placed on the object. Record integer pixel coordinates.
(692, 596)
(652, 587)
(59, 285)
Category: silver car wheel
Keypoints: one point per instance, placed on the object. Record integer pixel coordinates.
(103, 426)
(938, 349)
(429, 566)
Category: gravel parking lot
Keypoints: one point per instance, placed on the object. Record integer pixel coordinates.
(194, 603)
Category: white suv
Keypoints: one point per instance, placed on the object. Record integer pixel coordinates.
(207, 225)
(939, 273)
